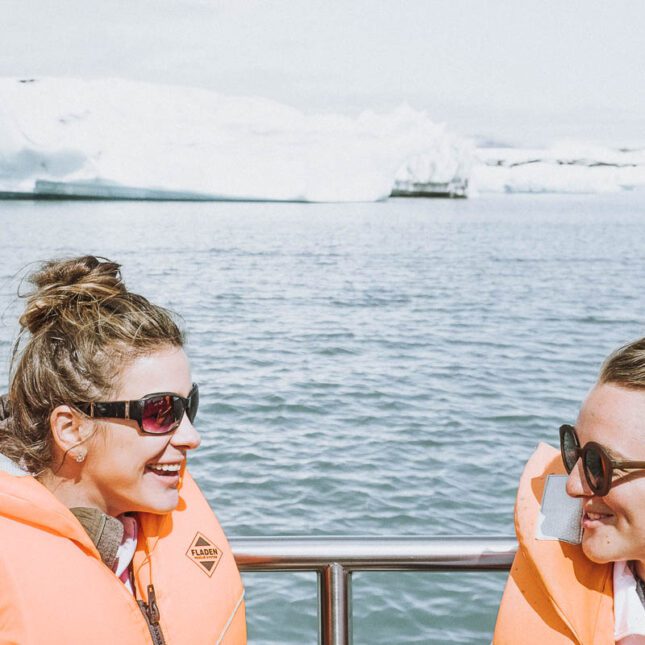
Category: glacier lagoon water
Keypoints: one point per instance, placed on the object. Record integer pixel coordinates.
(369, 369)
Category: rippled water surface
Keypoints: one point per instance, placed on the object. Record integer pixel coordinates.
(372, 369)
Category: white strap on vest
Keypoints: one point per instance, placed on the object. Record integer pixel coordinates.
(230, 619)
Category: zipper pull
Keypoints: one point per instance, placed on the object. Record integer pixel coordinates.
(152, 609)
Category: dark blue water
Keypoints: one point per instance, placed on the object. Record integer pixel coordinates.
(371, 369)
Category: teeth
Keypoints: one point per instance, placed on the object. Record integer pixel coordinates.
(595, 516)
(166, 468)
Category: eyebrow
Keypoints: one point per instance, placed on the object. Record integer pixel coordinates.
(615, 456)
(612, 454)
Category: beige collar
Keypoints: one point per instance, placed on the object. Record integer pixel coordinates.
(106, 532)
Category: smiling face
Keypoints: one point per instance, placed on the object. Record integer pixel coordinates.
(126, 470)
(614, 525)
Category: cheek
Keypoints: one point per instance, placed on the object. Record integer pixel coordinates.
(118, 453)
(627, 503)
(121, 453)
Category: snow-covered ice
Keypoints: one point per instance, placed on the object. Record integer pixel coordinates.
(118, 138)
(567, 167)
(114, 136)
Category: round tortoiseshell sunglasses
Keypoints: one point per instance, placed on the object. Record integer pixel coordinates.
(597, 465)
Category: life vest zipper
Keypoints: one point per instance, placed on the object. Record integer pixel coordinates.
(150, 611)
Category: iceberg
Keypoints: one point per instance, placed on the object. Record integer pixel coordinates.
(120, 139)
(113, 138)
(567, 167)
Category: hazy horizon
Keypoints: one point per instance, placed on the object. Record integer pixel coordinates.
(513, 73)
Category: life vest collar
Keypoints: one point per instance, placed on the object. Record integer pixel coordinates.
(24, 499)
(557, 565)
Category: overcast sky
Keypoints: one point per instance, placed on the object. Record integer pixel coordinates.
(499, 67)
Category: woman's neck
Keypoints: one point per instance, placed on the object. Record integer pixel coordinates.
(72, 492)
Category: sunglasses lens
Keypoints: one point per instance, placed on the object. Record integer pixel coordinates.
(595, 469)
(193, 403)
(159, 415)
(569, 447)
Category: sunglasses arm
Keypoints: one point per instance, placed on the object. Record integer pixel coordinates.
(115, 410)
(628, 465)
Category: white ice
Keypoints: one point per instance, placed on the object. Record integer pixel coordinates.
(118, 138)
(567, 167)
(121, 134)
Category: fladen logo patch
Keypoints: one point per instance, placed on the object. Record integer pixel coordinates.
(204, 554)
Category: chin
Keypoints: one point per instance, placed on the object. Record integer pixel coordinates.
(160, 506)
(598, 555)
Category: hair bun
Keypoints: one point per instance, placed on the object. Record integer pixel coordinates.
(63, 284)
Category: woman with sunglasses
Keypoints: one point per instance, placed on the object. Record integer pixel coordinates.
(104, 536)
(578, 576)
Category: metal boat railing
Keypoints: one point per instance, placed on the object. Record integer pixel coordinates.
(334, 559)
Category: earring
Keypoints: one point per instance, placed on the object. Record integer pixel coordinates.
(80, 456)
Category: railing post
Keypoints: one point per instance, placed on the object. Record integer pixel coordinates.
(335, 558)
(334, 605)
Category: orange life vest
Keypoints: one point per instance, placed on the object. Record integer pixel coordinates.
(55, 589)
(554, 594)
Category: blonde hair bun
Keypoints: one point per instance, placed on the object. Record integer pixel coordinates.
(65, 286)
(79, 330)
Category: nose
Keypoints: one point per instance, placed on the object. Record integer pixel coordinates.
(186, 436)
(576, 482)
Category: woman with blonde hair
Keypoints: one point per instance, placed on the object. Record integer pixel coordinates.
(579, 573)
(104, 536)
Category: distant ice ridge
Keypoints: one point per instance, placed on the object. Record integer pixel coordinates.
(117, 138)
(568, 167)
(113, 138)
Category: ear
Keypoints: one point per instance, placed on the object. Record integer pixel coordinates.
(68, 427)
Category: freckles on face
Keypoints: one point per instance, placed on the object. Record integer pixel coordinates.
(613, 528)
(614, 525)
(127, 470)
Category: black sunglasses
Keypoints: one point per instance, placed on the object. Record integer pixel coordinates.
(159, 413)
(598, 466)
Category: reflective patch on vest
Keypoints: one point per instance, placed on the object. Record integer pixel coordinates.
(204, 554)
(560, 516)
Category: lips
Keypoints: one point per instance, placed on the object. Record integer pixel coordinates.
(168, 469)
(596, 516)
(592, 519)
